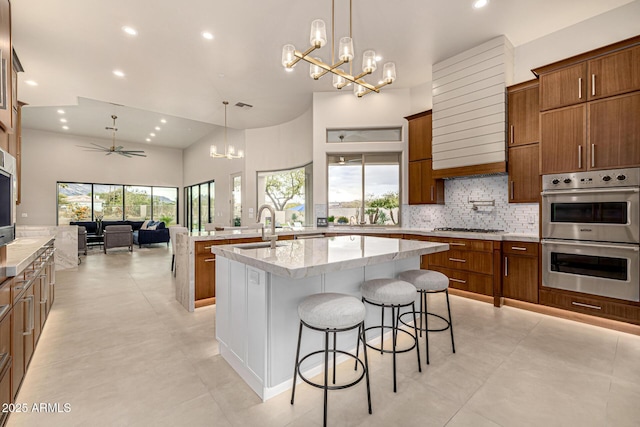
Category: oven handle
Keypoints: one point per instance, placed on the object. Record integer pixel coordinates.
(594, 190)
(590, 245)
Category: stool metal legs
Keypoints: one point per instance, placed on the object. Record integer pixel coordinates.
(325, 385)
(425, 313)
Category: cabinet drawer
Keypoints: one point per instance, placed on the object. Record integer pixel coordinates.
(5, 295)
(204, 248)
(477, 262)
(520, 248)
(465, 244)
(590, 305)
(467, 281)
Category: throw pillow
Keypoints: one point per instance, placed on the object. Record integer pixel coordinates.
(145, 225)
(152, 227)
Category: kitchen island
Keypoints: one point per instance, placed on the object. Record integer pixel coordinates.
(259, 289)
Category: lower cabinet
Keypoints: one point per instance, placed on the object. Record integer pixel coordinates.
(6, 394)
(205, 273)
(591, 304)
(520, 271)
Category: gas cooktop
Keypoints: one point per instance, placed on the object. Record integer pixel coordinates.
(469, 230)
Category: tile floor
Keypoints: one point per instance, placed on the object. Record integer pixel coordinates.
(122, 352)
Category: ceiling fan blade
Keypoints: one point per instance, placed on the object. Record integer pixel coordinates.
(135, 153)
(91, 148)
(100, 146)
(119, 148)
(109, 153)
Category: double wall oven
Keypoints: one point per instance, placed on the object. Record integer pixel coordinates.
(591, 232)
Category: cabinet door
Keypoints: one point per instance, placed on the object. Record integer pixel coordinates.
(37, 314)
(415, 183)
(205, 276)
(420, 138)
(614, 132)
(524, 113)
(520, 278)
(17, 344)
(614, 74)
(562, 140)
(563, 87)
(432, 189)
(30, 325)
(524, 175)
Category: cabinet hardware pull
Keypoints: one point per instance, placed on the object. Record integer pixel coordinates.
(511, 190)
(29, 299)
(512, 140)
(579, 87)
(457, 244)
(457, 260)
(210, 260)
(593, 85)
(579, 156)
(432, 193)
(457, 280)
(208, 247)
(518, 248)
(593, 155)
(579, 304)
(506, 266)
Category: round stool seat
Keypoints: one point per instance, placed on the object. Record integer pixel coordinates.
(426, 280)
(331, 311)
(388, 291)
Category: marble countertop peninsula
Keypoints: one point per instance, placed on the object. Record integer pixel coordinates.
(309, 257)
(252, 232)
(22, 252)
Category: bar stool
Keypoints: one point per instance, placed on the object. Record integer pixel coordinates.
(429, 282)
(332, 313)
(394, 294)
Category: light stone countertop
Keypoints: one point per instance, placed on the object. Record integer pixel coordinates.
(296, 259)
(22, 252)
(248, 233)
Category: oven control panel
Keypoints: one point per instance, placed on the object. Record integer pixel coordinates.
(592, 179)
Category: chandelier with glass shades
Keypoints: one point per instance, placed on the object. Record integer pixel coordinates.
(229, 151)
(318, 68)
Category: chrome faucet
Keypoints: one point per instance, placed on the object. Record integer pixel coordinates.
(273, 237)
(355, 220)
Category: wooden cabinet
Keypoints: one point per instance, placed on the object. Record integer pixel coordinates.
(18, 328)
(420, 136)
(469, 264)
(614, 74)
(520, 271)
(205, 273)
(563, 140)
(592, 305)
(524, 112)
(6, 395)
(563, 87)
(524, 175)
(423, 188)
(6, 110)
(614, 132)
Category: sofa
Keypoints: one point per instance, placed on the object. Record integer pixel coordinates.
(141, 234)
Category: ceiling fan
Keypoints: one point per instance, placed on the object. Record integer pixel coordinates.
(113, 148)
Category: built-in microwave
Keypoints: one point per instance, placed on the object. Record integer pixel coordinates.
(7, 198)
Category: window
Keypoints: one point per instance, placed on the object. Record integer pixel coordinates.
(114, 202)
(236, 197)
(199, 205)
(393, 134)
(364, 188)
(289, 192)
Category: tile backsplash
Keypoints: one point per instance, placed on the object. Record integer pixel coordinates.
(458, 212)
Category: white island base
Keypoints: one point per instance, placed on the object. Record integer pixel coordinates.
(258, 292)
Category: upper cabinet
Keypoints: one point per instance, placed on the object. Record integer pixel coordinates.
(423, 188)
(523, 114)
(590, 106)
(6, 72)
(420, 136)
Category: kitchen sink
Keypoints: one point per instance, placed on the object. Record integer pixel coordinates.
(257, 245)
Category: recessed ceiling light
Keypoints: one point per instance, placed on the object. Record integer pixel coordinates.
(148, 139)
(60, 111)
(118, 73)
(65, 127)
(207, 35)
(130, 31)
(31, 83)
(478, 4)
(152, 134)
(157, 127)
(63, 120)
(163, 121)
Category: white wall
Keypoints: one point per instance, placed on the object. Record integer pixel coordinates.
(49, 157)
(279, 147)
(200, 167)
(607, 28)
(343, 109)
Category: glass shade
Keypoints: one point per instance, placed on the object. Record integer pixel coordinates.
(345, 51)
(314, 71)
(318, 37)
(369, 64)
(213, 150)
(359, 90)
(240, 153)
(339, 82)
(389, 72)
(288, 55)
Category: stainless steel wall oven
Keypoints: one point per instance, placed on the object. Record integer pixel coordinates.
(591, 232)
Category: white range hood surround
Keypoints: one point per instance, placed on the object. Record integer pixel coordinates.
(469, 106)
